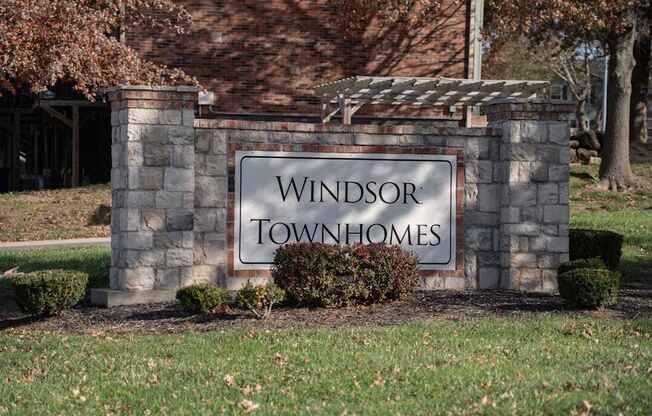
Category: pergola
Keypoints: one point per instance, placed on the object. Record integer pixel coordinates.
(350, 94)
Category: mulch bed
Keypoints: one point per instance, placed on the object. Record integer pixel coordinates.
(423, 306)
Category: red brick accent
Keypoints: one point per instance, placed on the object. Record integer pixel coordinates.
(533, 110)
(264, 56)
(233, 147)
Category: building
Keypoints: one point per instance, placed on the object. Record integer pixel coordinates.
(256, 59)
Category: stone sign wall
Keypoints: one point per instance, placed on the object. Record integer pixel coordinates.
(174, 191)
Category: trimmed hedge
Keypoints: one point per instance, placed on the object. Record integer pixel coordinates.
(314, 274)
(49, 292)
(595, 263)
(587, 244)
(589, 288)
(201, 298)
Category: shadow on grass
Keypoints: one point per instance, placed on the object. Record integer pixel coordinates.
(636, 272)
(582, 175)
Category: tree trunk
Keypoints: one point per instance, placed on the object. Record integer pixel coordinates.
(640, 80)
(583, 123)
(615, 169)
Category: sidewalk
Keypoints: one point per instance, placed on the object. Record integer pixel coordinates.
(35, 245)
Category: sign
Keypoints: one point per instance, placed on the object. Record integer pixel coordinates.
(344, 198)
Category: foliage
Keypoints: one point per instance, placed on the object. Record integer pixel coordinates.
(589, 288)
(77, 42)
(594, 263)
(49, 292)
(588, 244)
(201, 298)
(314, 274)
(573, 24)
(259, 299)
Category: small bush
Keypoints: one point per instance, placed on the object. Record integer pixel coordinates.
(259, 299)
(49, 292)
(201, 298)
(314, 274)
(588, 244)
(589, 288)
(595, 263)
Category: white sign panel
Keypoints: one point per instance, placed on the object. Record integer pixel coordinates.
(344, 198)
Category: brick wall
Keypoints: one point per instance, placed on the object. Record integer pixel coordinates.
(265, 56)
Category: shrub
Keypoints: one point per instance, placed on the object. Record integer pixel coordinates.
(589, 288)
(259, 299)
(594, 263)
(388, 272)
(314, 274)
(587, 244)
(49, 292)
(201, 298)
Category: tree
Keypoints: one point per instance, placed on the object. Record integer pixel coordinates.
(640, 83)
(548, 62)
(615, 24)
(77, 42)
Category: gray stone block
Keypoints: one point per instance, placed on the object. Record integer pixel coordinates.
(203, 140)
(178, 239)
(510, 215)
(155, 154)
(136, 279)
(180, 220)
(215, 165)
(524, 195)
(556, 214)
(149, 134)
(559, 173)
(109, 298)
(143, 258)
(205, 219)
(181, 135)
(167, 278)
(210, 191)
(548, 194)
(145, 178)
(488, 197)
(139, 240)
(523, 229)
(139, 199)
(489, 278)
(183, 156)
(167, 199)
(179, 257)
(153, 220)
(218, 146)
(478, 239)
(559, 133)
(179, 180)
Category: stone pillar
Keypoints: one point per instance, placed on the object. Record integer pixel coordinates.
(152, 181)
(534, 172)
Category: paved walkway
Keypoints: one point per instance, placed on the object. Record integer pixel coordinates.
(34, 245)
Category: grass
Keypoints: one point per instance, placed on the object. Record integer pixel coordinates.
(93, 260)
(55, 214)
(533, 365)
(629, 214)
(530, 364)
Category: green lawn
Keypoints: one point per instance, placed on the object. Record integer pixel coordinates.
(536, 365)
(629, 214)
(528, 364)
(93, 260)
